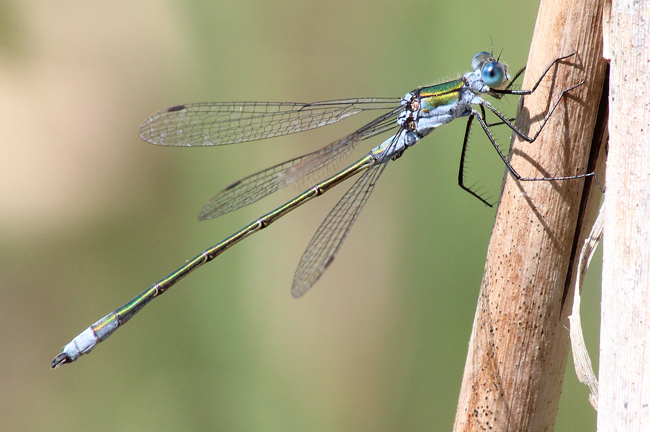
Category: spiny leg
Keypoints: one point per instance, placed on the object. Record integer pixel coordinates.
(512, 81)
(463, 154)
(509, 122)
(514, 172)
(495, 123)
(461, 170)
(528, 92)
(520, 133)
(507, 90)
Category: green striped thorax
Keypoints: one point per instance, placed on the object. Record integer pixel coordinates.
(427, 108)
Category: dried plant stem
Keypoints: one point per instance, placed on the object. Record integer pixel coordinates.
(624, 370)
(519, 343)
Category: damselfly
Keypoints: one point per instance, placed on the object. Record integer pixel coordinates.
(414, 116)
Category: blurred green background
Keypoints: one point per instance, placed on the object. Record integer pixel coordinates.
(91, 216)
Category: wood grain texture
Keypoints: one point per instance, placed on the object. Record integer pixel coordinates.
(624, 370)
(519, 344)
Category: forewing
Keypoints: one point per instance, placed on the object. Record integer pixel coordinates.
(219, 123)
(263, 183)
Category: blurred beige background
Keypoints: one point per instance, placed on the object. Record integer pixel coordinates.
(91, 216)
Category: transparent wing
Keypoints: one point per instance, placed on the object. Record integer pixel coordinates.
(217, 123)
(330, 235)
(263, 183)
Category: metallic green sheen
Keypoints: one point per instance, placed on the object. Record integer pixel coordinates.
(440, 94)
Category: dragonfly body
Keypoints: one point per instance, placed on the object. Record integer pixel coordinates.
(414, 116)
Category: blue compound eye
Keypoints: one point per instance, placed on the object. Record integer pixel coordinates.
(493, 74)
(480, 59)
